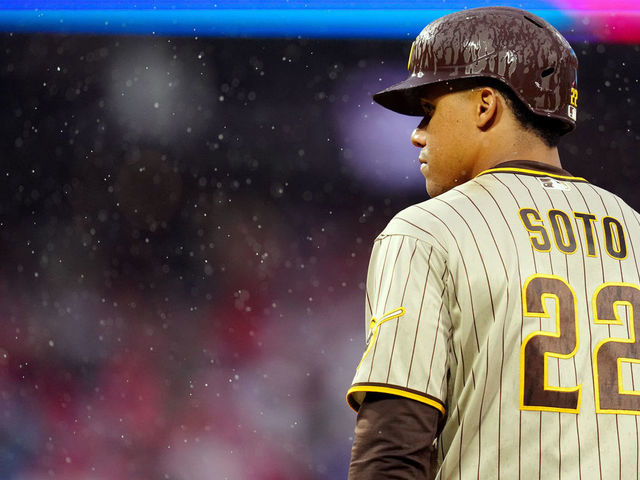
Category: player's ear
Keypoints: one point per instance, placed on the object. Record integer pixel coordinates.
(487, 106)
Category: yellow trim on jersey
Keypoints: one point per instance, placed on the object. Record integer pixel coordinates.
(569, 231)
(584, 217)
(372, 337)
(619, 240)
(631, 340)
(532, 172)
(395, 391)
(621, 390)
(544, 333)
(541, 230)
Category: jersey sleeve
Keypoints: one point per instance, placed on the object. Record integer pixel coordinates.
(407, 323)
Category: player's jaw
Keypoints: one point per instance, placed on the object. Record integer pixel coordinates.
(424, 164)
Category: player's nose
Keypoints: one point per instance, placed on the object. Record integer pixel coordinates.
(418, 136)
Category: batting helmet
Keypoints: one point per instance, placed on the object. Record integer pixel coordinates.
(507, 44)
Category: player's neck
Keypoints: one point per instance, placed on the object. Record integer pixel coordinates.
(523, 147)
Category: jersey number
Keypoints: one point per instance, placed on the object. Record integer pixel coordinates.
(609, 355)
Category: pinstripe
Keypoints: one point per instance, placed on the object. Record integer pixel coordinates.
(464, 374)
(433, 350)
(424, 292)
(573, 360)
(617, 418)
(429, 234)
(603, 277)
(533, 254)
(475, 241)
(533, 200)
(455, 290)
(466, 271)
(550, 258)
(590, 315)
(559, 436)
(558, 414)
(578, 441)
(455, 358)
(540, 413)
(601, 256)
(484, 391)
(443, 384)
(384, 264)
(575, 368)
(539, 445)
(493, 312)
(518, 204)
(480, 413)
(461, 449)
(535, 204)
(393, 270)
(628, 323)
(584, 274)
(404, 291)
(619, 447)
(504, 323)
(633, 383)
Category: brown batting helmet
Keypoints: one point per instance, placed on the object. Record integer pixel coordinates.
(507, 44)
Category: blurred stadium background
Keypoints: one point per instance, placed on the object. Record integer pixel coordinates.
(187, 201)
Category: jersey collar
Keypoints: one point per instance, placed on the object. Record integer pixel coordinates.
(529, 167)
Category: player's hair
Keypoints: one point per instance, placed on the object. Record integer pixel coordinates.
(549, 130)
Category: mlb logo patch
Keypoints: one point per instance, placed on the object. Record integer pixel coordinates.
(549, 183)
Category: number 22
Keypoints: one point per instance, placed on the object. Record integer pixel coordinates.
(608, 355)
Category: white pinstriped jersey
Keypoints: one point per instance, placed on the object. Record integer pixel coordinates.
(508, 304)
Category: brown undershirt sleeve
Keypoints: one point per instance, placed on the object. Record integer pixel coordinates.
(394, 439)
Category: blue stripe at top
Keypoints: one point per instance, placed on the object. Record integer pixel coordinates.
(340, 23)
(262, 4)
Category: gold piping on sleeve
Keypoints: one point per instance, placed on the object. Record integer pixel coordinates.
(395, 391)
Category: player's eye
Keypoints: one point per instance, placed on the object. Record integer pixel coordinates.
(427, 108)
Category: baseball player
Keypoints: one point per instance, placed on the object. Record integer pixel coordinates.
(501, 331)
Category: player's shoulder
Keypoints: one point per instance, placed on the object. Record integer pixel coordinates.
(603, 192)
(607, 197)
(425, 221)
